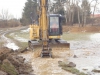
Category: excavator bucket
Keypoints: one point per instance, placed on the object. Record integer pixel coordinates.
(60, 45)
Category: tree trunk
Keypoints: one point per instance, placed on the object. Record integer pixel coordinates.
(72, 17)
(82, 18)
(94, 12)
(79, 17)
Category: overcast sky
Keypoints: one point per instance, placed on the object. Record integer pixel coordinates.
(14, 7)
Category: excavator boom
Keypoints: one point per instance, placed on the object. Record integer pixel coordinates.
(45, 37)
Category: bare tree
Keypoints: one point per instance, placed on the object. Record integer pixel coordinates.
(77, 3)
(85, 11)
(94, 8)
(5, 16)
(96, 1)
(73, 11)
(70, 11)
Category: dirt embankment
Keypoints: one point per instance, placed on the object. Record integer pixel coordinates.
(81, 29)
(13, 64)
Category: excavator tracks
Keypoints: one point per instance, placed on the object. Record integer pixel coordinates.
(41, 51)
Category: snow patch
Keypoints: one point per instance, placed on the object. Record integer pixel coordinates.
(9, 44)
(95, 36)
(25, 31)
(21, 39)
(12, 46)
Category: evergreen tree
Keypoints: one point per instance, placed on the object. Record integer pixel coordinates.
(58, 7)
(29, 12)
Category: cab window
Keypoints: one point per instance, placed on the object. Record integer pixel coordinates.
(54, 25)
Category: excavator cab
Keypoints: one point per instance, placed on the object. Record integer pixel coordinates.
(55, 33)
(55, 28)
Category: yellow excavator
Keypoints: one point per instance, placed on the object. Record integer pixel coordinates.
(46, 34)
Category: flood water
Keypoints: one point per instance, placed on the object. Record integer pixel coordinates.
(86, 46)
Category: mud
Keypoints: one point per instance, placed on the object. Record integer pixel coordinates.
(48, 66)
(13, 64)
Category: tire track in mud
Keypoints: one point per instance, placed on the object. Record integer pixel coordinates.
(7, 41)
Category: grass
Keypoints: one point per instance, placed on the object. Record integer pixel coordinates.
(1, 44)
(10, 69)
(65, 36)
(72, 70)
(76, 36)
(21, 34)
(97, 71)
(8, 36)
(22, 45)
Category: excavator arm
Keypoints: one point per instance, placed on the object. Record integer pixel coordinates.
(44, 28)
(46, 35)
